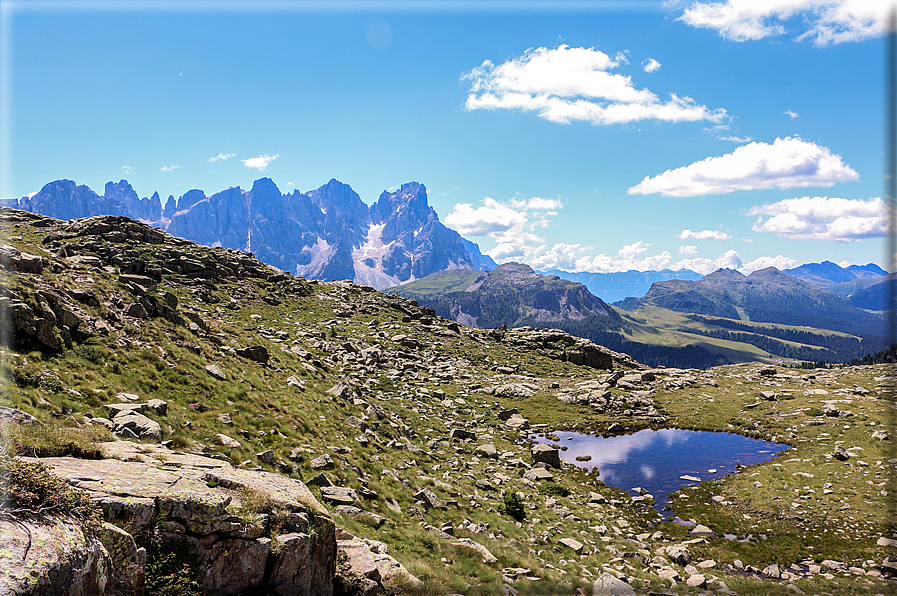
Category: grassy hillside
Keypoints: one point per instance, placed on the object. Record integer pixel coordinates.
(401, 400)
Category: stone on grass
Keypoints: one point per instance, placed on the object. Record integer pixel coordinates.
(572, 544)
(608, 585)
(546, 454)
(216, 372)
(488, 558)
(324, 462)
(228, 441)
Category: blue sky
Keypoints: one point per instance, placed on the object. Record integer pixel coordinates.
(593, 136)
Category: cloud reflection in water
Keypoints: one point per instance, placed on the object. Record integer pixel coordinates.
(655, 459)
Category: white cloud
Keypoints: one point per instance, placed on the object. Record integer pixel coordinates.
(727, 260)
(173, 166)
(567, 84)
(491, 218)
(688, 250)
(221, 157)
(748, 240)
(779, 262)
(650, 65)
(735, 139)
(261, 162)
(790, 114)
(787, 163)
(509, 223)
(573, 257)
(703, 235)
(823, 22)
(823, 218)
(127, 169)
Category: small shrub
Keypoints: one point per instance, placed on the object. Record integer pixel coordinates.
(91, 353)
(28, 489)
(50, 383)
(554, 489)
(512, 505)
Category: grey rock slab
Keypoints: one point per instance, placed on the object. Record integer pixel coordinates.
(216, 372)
(339, 495)
(487, 556)
(608, 585)
(538, 474)
(139, 424)
(572, 544)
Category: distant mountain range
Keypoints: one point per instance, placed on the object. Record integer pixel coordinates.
(614, 287)
(769, 314)
(327, 233)
(768, 296)
(827, 274)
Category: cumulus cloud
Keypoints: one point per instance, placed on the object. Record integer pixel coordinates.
(822, 22)
(779, 262)
(786, 163)
(173, 166)
(261, 162)
(575, 258)
(567, 84)
(727, 260)
(221, 157)
(650, 65)
(127, 169)
(510, 223)
(823, 218)
(688, 250)
(790, 114)
(703, 235)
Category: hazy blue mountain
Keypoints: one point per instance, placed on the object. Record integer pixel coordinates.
(613, 287)
(827, 274)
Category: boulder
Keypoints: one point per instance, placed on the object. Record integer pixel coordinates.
(138, 424)
(216, 372)
(255, 353)
(546, 454)
(339, 495)
(608, 585)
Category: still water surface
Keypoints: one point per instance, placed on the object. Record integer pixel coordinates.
(655, 460)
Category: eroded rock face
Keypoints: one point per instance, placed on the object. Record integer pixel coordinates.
(52, 558)
(194, 494)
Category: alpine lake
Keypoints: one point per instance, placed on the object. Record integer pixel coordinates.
(652, 464)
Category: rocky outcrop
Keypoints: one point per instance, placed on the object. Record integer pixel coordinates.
(187, 501)
(52, 558)
(562, 346)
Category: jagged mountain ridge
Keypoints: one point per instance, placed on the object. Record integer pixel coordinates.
(328, 233)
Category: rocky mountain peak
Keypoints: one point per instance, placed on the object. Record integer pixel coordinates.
(121, 191)
(265, 188)
(191, 198)
(408, 204)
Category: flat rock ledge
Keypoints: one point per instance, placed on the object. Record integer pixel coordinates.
(198, 500)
